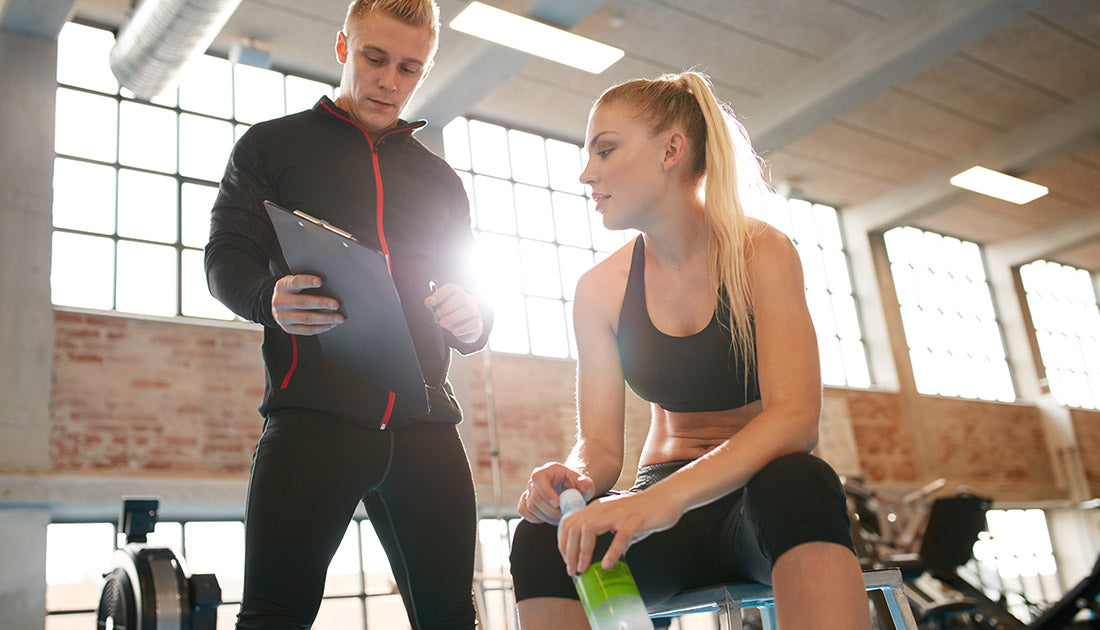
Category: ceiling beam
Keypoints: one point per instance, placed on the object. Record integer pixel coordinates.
(929, 32)
(442, 98)
(1017, 152)
(1047, 243)
(38, 18)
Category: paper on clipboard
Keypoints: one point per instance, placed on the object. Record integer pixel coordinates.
(374, 339)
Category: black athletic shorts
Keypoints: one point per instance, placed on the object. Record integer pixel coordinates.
(794, 499)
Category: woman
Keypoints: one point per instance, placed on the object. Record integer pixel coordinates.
(704, 315)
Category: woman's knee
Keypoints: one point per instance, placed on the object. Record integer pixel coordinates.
(795, 473)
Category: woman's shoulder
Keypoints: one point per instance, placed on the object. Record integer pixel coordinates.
(601, 288)
(767, 240)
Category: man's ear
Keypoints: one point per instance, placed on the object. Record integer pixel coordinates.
(427, 69)
(341, 47)
(675, 146)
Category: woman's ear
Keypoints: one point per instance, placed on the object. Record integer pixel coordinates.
(675, 148)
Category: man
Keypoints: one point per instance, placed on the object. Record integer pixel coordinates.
(331, 437)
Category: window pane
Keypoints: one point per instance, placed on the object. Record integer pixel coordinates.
(495, 211)
(77, 555)
(571, 220)
(955, 342)
(456, 143)
(196, 205)
(1064, 311)
(540, 269)
(197, 301)
(500, 264)
(83, 271)
(828, 227)
(218, 548)
(547, 321)
(83, 196)
(205, 144)
(342, 613)
(832, 361)
(206, 86)
(564, 162)
(343, 571)
(82, 58)
(87, 125)
(509, 326)
(813, 270)
(489, 148)
(147, 206)
(535, 218)
(574, 262)
(855, 363)
(258, 94)
(385, 612)
(146, 278)
(528, 158)
(376, 566)
(802, 222)
(303, 94)
(147, 138)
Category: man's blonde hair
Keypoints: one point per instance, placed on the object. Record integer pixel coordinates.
(423, 13)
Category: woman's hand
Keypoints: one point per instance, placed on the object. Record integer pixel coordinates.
(632, 517)
(539, 502)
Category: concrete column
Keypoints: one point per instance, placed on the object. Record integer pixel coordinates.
(23, 580)
(28, 67)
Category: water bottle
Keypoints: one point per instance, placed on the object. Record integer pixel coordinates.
(609, 596)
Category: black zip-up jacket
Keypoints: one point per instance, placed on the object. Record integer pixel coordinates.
(393, 195)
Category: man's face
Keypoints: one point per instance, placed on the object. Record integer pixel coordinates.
(384, 62)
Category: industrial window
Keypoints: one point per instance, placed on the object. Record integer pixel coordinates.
(1062, 303)
(537, 231)
(134, 181)
(955, 343)
(815, 230)
(360, 590)
(1014, 562)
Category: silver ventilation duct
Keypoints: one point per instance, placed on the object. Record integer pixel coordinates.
(161, 37)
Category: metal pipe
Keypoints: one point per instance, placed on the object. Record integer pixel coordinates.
(161, 37)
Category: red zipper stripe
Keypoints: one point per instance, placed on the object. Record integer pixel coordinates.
(293, 361)
(380, 205)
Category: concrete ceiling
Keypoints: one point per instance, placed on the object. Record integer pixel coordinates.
(868, 105)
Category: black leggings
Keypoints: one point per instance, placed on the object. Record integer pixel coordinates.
(794, 499)
(309, 473)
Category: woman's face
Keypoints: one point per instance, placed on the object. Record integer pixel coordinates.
(624, 166)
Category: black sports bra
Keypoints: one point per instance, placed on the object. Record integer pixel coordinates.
(699, 372)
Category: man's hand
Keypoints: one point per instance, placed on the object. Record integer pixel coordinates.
(456, 311)
(302, 314)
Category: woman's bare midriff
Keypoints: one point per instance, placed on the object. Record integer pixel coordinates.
(675, 436)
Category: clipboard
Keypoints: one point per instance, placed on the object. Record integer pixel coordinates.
(374, 339)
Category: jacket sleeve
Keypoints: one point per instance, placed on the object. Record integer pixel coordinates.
(459, 261)
(242, 241)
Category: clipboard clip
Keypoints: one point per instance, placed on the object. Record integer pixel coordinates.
(325, 224)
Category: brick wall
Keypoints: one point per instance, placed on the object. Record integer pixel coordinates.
(138, 396)
(1086, 427)
(155, 397)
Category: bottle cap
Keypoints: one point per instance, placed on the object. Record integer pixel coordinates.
(571, 500)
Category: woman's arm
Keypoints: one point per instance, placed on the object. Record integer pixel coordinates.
(790, 385)
(596, 460)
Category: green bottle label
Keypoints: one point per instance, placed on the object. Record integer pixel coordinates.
(596, 585)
